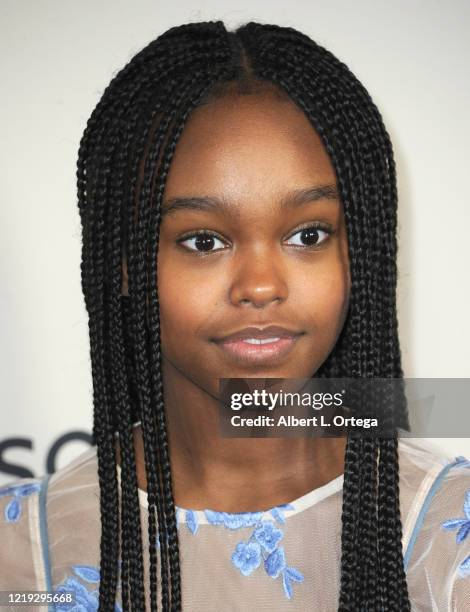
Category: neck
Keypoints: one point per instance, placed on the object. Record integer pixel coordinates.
(235, 474)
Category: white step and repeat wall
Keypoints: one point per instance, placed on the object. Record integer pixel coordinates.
(57, 57)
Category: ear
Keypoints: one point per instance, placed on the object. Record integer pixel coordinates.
(125, 285)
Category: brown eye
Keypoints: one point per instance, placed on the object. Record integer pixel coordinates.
(201, 242)
(311, 236)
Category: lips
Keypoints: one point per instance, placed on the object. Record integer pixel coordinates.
(259, 346)
(272, 331)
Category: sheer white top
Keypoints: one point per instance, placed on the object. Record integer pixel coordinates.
(284, 558)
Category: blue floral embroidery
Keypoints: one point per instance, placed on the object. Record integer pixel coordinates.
(13, 509)
(85, 600)
(463, 529)
(191, 521)
(463, 461)
(233, 520)
(268, 535)
(247, 557)
(261, 546)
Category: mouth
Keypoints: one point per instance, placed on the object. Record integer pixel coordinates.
(259, 347)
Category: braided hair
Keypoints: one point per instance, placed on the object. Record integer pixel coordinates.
(124, 158)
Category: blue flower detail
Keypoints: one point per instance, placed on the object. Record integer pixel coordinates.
(261, 546)
(288, 575)
(85, 600)
(278, 512)
(233, 520)
(13, 509)
(191, 521)
(463, 461)
(463, 524)
(247, 557)
(464, 567)
(263, 543)
(268, 535)
(463, 529)
(275, 563)
(89, 573)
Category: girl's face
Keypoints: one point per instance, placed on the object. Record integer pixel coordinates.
(240, 172)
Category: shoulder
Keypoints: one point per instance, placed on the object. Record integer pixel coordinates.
(20, 532)
(432, 484)
(422, 468)
(49, 520)
(437, 524)
(72, 500)
(429, 476)
(76, 479)
(449, 521)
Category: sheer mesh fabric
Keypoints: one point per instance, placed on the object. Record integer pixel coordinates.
(284, 558)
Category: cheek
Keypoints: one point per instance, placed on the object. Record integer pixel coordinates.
(184, 302)
(322, 293)
(322, 303)
(326, 304)
(330, 301)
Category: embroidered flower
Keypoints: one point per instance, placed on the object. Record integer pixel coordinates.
(85, 600)
(89, 573)
(191, 521)
(278, 512)
(13, 509)
(463, 529)
(268, 535)
(288, 575)
(233, 520)
(261, 546)
(463, 461)
(275, 563)
(463, 524)
(265, 539)
(464, 567)
(247, 557)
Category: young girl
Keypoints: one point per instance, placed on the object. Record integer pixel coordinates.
(237, 194)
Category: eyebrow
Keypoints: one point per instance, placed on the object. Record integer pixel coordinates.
(298, 197)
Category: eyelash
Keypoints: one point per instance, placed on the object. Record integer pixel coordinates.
(321, 226)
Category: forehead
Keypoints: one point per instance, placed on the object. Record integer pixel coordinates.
(239, 144)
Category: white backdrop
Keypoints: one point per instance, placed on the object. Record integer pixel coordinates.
(57, 57)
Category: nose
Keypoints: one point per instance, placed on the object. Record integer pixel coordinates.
(259, 280)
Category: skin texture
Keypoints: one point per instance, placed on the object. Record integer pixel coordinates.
(250, 151)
